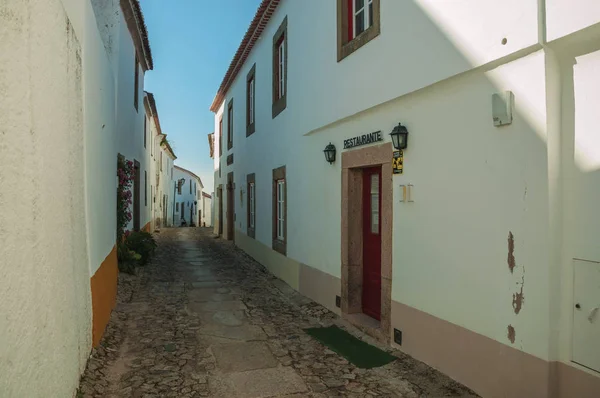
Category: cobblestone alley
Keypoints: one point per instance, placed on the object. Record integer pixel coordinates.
(205, 320)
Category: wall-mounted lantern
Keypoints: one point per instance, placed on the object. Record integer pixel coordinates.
(330, 153)
(399, 136)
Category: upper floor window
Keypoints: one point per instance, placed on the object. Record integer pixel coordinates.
(280, 55)
(145, 130)
(220, 137)
(358, 23)
(190, 187)
(230, 124)
(161, 161)
(250, 100)
(136, 83)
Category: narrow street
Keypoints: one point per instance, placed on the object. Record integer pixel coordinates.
(203, 319)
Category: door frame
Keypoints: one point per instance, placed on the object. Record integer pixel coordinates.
(220, 205)
(230, 206)
(352, 236)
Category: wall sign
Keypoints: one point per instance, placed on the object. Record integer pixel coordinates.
(398, 162)
(363, 139)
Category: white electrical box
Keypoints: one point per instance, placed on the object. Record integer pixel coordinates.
(502, 107)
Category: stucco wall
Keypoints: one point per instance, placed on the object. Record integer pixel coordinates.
(187, 197)
(130, 122)
(45, 303)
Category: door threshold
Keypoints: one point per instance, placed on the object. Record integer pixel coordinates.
(368, 325)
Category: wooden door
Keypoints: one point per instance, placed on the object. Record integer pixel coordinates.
(136, 196)
(220, 194)
(371, 295)
(230, 206)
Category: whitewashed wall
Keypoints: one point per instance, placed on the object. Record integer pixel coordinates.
(130, 122)
(473, 183)
(56, 232)
(187, 197)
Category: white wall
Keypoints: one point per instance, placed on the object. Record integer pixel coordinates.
(473, 183)
(207, 214)
(45, 304)
(130, 122)
(187, 197)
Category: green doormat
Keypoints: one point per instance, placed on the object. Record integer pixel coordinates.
(354, 350)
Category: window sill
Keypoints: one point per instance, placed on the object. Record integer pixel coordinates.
(250, 130)
(359, 41)
(280, 246)
(279, 105)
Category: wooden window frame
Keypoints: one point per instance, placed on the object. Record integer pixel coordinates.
(251, 101)
(279, 245)
(230, 124)
(346, 43)
(251, 184)
(145, 188)
(280, 40)
(136, 84)
(145, 130)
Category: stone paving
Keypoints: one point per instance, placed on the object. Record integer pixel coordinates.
(205, 320)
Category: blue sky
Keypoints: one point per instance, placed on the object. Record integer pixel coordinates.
(192, 42)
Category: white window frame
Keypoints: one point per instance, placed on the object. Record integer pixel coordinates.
(365, 10)
(281, 64)
(281, 210)
(251, 204)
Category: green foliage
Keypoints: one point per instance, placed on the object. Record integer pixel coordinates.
(128, 259)
(142, 243)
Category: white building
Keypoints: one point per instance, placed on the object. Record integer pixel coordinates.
(162, 158)
(482, 258)
(205, 208)
(188, 197)
(63, 88)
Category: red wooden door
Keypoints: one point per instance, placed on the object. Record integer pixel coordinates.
(371, 295)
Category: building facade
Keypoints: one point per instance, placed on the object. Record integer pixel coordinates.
(59, 236)
(205, 209)
(474, 249)
(162, 158)
(188, 198)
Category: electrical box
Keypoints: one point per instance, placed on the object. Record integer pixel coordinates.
(502, 107)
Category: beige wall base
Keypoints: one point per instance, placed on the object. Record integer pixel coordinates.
(490, 368)
(279, 265)
(320, 287)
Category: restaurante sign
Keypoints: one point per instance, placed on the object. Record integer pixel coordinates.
(363, 139)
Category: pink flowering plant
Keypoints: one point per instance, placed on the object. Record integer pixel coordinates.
(125, 174)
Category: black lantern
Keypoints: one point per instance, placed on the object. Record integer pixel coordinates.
(399, 136)
(330, 153)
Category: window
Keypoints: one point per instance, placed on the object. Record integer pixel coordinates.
(230, 124)
(280, 55)
(177, 207)
(136, 84)
(375, 204)
(250, 101)
(161, 161)
(358, 23)
(250, 181)
(145, 130)
(190, 187)
(145, 188)
(178, 188)
(220, 138)
(279, 211)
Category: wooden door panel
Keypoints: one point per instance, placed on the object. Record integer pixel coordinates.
(371, 295)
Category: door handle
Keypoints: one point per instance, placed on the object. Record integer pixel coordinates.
(592, 314)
